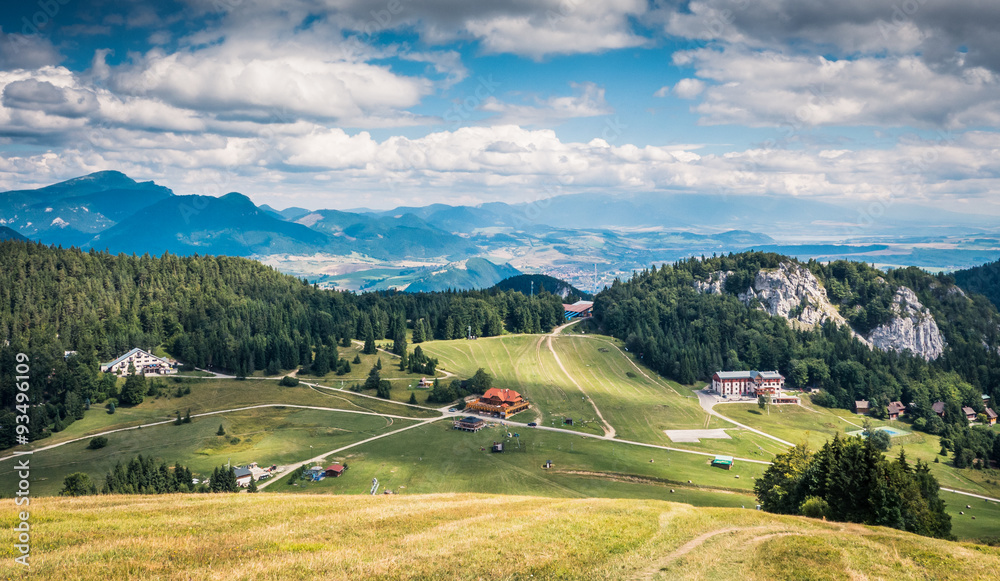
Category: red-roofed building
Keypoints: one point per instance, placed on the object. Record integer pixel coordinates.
(579, 309)
(501, 403)
(334, 470)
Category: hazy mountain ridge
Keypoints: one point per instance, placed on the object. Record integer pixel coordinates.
(563, 236)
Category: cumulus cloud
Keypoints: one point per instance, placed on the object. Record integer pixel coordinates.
(767, 88)
(26, 50)
(688, 88)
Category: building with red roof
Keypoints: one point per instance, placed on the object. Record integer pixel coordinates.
(501, 403)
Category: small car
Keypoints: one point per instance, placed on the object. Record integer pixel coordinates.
(453, 409)
(532, 424)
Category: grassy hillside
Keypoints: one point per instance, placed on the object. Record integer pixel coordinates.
(462, 537)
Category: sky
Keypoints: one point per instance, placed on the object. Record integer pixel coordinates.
(353, 103)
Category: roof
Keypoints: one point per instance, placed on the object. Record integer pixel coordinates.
(129, 354)
(938, 407)
(985, 397)
(504, 395)
(895, 407)
(990, 414)
(749, 374)
(863, 403)
(335, 468)
(968, 411)
(316, 468)
(471, 420)
(579, 306)
(723, 459)
(241, 472)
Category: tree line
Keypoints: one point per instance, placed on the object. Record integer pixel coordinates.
(229, 313)
(689, 335)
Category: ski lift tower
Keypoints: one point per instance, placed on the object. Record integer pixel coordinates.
(469, 336)
(374, 486)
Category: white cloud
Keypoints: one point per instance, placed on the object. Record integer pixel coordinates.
(587, 102)
(766, 88)
(688, 88)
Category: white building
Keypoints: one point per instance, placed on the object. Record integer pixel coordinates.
(143, 361)
(748, 383)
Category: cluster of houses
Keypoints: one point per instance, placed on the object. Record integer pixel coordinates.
(499, 403)
(251, 472)
(896, 410)
(142, 361)
(752, 384)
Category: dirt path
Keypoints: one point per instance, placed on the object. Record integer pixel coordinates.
(650, 572)
(609, 431)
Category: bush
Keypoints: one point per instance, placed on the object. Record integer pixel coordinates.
(824, 399)
(289, 381)
(815, 507)
(98, 443)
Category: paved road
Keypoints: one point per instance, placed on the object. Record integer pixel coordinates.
(971, 494)
(707, 402)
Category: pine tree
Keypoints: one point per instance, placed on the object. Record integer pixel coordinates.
(369, 348)
(253, 486)
(221, 432)
(418, 331)
(187, 417)
(413, 398)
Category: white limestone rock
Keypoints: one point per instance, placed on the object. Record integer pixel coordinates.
(791, 291)
(913, 328)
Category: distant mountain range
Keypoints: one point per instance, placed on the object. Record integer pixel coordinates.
(431, 247)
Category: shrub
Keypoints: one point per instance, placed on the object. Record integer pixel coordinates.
(98, 443)
(814, 507)
(289, 381)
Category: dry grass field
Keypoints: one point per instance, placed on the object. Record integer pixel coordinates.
(461, 536)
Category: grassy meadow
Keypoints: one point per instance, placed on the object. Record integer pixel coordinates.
(461, 536)
(436, 458)
(266, 436)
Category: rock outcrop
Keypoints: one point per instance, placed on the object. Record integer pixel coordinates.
(912, 329)
(791, 291)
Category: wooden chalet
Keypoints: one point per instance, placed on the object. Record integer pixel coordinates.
(938, 408)
(469, 424)
(425, 383)
(723, 462)
(970, 414)
(991, 416)
(501, 403)
(896, 409)
(862, 407)
(334, 470)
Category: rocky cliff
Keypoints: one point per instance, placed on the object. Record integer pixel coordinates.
(791, 291)
(913, 328)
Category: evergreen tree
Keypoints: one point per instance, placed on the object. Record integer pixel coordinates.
(134, 390)
(413, 398)
(221, 431)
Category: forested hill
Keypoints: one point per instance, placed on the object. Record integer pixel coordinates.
(231, 313)
(984, 280)
(688, 334)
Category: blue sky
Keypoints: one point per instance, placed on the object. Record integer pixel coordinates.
(347, 103)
